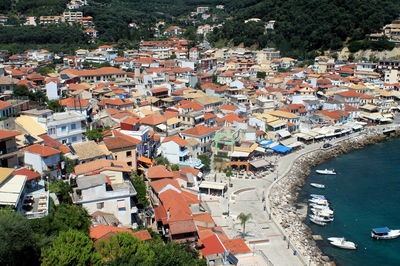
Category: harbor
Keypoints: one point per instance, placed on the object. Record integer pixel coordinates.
(284, 193)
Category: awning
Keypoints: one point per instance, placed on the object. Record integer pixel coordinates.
(11, 190)
(162, 127)
(281, 148)
(212, 185)
(259, 163)
(284, 133)
(145, 160)
(288, 141)
(260, 149)
(296, 144)
(240, 154)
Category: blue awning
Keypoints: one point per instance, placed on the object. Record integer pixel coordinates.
(281, 148)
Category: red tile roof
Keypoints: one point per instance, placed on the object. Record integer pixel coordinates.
(103, 231)
(42, 150)
(228, 107)
(212, 245)
(236, 246)
(159, 171)
(74, 103)
(94, 72)
(209, 116)
(118, 143)
(4, 105)
(350, 94)
(49, 141)
(28, 173)
(199, 130)
(158, 185)
(5, 134)
(178, 140)
(154, 119)
(182, 227)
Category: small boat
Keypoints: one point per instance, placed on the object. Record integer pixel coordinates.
(319, 218)
(384, 233)
(317, 222)
(341, 242)
(319, 206)
(326, 172)
(317, 185)
(319, 201)
(328, 213)
(316, 196)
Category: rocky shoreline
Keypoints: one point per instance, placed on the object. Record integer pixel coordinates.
(283, 195)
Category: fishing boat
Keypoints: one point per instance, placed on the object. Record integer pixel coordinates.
(341, 242)
(384, 233)
(316, 185)
(326, 172)
(317, 222)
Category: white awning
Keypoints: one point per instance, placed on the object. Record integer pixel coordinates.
(284, 133)
(11, 190)
(162, 127)
(260, 149)
(212, 185)
(259, 163)
(240, 154)
(296, 144)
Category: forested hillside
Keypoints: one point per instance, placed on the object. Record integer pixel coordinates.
(303, 26)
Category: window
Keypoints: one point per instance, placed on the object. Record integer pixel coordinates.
(52, 131)
(73, 126)
(129, 164)
(100, 205)
(64, 141)
(63, 128)
(129, 154)
(121, 205)
(74, 139)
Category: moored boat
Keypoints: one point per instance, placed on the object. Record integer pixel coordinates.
(384, 233)
(316, 185)
(317, 222)
(326, 172)
(319, 218)
(319, 201)
(341, 242)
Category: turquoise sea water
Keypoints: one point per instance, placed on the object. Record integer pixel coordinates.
(365, 194)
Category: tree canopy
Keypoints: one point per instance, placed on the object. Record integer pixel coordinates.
(71, 248)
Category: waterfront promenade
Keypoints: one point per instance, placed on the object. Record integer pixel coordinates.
(263, 232)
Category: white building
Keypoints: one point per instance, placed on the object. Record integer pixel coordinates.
(175, 149)
(66, 127)
(95, 193)
(52, 90)
(43, 159)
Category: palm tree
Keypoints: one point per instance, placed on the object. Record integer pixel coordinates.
(244, 218)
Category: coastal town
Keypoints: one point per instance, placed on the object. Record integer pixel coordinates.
(198, 145)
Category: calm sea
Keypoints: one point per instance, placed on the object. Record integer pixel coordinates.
(364, 194)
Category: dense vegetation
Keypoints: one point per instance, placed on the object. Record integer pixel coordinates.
(303, 26)
(62, 238)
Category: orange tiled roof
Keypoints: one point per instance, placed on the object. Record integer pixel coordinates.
(74, 102)
(159, 171)
(199, 130)
(103, 231)
(94, 72)
(42, 150)
(28, 173)
(178, 140)
(4, 105)
(5, 134)
(101, 165)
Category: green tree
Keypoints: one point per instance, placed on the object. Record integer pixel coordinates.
(142, 193)
(162, 161)
(55, 106)
(17, 240)
(125, 249)
(95, 134)
(175, 167)
(244, 218)
(206, 161)
(62, 190)
(71, 248)
(45, 70)
(22, 91)
(261, 75)
(69, 164)
(71, 217)
(176, 254)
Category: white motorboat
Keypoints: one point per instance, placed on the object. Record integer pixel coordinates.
(317, 222)
(384, 233)
(341, 242)
(326, 172)
(319, 218)
(317, 196)
(322, 212)
(316, 185)
(319, 201)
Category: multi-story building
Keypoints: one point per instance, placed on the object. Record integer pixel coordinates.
(43, 159)
(66, 127)
(72, 16)
(96, 193)
(203, 134)
(8, 148)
